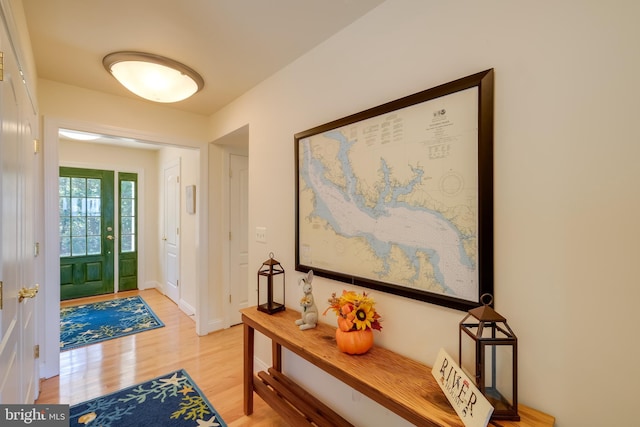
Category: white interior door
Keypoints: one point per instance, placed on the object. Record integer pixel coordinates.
(171, 236)
(27, 308)
(18, 382)
(10, 370)
(239, 239)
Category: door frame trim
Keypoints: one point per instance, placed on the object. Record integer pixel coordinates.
(49, 324)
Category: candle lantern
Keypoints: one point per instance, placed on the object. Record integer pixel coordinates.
(271, 286)
(491, 357)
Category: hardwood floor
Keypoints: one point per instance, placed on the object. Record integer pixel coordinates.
(213, 361)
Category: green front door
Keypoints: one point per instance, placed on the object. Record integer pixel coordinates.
(86, 232)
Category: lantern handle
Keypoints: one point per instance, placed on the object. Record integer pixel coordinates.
(483, 298)
(271, 255)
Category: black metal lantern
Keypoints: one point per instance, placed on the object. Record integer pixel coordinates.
(271, 286)
(494, 358)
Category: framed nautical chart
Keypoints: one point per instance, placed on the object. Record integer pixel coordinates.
(399, 198)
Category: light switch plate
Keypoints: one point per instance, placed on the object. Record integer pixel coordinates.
(261, 234)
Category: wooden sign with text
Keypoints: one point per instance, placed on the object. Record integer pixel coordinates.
(469, 403)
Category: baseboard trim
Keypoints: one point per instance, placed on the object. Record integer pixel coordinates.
(215, 325)
(187, 309)
(259, 365)
(152, 285)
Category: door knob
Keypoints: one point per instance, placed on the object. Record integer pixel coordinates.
(28, 292)
(110, 237)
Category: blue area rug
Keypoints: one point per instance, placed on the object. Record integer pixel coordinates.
(170, 400)
(87, 324)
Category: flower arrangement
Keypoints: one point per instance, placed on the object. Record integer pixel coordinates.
(356, 312)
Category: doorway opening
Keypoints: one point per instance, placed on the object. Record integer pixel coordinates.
(230, 155)
(148, 201)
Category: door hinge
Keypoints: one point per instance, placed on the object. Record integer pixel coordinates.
(0, 294)
(177, 283)
(36, 146)
(36, 351)
(36, 249)
(1, 66)
(229, 298)
(177, 231)
(229, 235)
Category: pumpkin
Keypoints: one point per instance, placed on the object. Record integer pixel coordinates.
(354, 342)
(344, 324)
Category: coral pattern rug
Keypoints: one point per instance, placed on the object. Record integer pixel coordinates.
(170, 400)
(87, 324)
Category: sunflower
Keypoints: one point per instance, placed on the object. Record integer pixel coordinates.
(354, 311)
(364, 316)
(349, 298)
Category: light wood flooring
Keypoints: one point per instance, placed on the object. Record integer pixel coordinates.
(213, 361)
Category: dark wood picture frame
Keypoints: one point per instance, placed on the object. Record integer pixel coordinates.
(483, 268)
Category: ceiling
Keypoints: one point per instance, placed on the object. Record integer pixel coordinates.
(233, 44)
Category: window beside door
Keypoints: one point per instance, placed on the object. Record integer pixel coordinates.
(128, 255)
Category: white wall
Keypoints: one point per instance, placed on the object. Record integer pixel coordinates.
(566, 202)
(163, 124)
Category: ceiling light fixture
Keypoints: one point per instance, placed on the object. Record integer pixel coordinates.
(80, 136)
(153, 77)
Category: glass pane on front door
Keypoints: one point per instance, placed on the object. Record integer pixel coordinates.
(80, 216)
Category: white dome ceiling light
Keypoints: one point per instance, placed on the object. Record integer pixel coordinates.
(153, 77)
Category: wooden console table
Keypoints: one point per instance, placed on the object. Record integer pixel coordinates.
(398, 383)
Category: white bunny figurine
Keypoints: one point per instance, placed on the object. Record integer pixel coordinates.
(309, 317)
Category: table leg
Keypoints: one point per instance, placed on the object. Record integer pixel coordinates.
(276, 356)
(248, 369)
